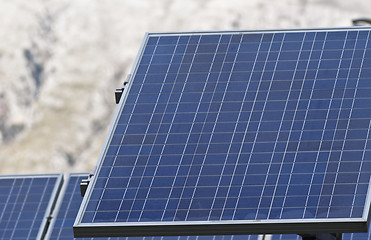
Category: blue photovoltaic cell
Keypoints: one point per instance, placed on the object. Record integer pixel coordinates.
(24, 203)
(69, 203)
(240, 126)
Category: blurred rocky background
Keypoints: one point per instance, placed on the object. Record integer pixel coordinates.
(61, 60)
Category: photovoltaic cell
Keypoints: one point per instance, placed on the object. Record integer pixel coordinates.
(239, 133)
(25, 204)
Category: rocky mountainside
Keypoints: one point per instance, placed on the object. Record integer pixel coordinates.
(61, 61)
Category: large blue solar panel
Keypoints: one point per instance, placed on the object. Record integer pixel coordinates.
(25, 204)
(239, 133)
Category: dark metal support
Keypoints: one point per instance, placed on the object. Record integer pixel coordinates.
(118, 94)
(84, 185)
(361, 21)
(322, 236)
(119, 91)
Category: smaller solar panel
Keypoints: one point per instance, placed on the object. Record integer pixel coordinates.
(25, 203)
(66, 209)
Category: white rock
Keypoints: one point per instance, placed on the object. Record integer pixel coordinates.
(61, 61)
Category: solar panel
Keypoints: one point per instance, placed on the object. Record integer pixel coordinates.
(69, 201)
(25, 203)
(238, 133)
(66, 209)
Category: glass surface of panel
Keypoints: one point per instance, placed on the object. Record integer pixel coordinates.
(240, 127)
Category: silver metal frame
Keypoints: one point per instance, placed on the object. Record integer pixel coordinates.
(52, 200)
(302, 226)
(260, 31)
(59, 202)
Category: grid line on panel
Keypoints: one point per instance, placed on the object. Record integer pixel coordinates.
(335, 133)
(59, 230)
(136, 158)
(275, 145)
(326, 176)
(201, 168)
(290, 130)
(346, 130)
(173, 181)
(369, 127)
(179, 212)
(6, 202)
(164, 215)
(156, 137)
(171, 124)
(332, 92)
(215, 209)
(211, 135)
(337, 121)
(12, 210)
(199, 105)
(302, 127)
(306, 113)
(228, 153)
(162, 148)
(291, 127)
(255, 138)
(140, 182)
(321, 141)
(44, 192)
(270, 161)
